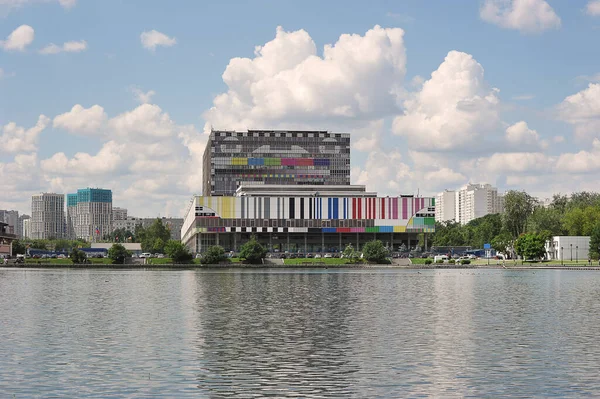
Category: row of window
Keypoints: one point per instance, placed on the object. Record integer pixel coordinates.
(218, 222)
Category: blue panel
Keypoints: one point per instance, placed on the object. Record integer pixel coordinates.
(336, 208)
(329, 230)
(329, 209)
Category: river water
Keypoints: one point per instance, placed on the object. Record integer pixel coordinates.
(364, 333)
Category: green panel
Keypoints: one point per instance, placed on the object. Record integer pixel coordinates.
(372, 229)
(433, 202)
(273, 161)
(430, 221)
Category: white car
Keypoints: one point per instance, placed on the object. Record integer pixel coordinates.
(317, 256)
(146, 255)
(328, 256)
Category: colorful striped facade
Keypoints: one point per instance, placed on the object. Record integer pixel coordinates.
(313, 215)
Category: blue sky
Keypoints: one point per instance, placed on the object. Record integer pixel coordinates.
(497, 111)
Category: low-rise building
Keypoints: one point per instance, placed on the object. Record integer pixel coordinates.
(300, 219)
(568, 248)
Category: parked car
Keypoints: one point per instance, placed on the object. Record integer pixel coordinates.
(160, 256)
(327, 256)
(317, 256)
(146, 255)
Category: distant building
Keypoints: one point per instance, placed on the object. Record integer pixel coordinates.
(27, 228)
(47, 216)
(568, 248)
(89, 214)
(470, 202)
(119, 213)
(12, 219)
(274, 157)
(445, 206)
(20, 227)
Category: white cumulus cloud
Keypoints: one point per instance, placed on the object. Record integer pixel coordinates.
(81, 120)
(527, 16)
(288, 83)
(107, 160)
(141, 96)
(19, 39)
(454, 108)
(593, 8)
(67, 47)
(152, 39)
(16, 139)
(582, 110)
(521, 136)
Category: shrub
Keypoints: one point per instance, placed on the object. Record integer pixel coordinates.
(213, 255)
(374, 251)
(252, 251)
(78, 256)
(465, 262)
(428, 261)
(452, 261)
(117, 253)
(178, 252)
(439, 261)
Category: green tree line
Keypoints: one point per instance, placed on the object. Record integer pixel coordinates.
(577, 215)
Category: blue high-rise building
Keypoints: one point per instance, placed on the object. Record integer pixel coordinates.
(89, 214)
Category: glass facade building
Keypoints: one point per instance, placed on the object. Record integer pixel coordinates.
(274, 157)
(89, 214)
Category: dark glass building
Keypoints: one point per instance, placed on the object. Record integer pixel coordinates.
(274, 157)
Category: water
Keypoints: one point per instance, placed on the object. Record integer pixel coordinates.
(299, 333)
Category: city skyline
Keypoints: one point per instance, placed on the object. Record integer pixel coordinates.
(501, 92)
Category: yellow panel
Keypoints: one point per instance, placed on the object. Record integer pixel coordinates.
(399, 229)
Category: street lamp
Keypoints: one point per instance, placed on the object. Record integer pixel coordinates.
(571, 252)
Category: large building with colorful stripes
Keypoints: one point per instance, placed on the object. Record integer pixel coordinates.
(274, 157)
(306, 218)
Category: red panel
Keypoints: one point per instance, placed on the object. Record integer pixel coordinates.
(360, 208)
(383, 208)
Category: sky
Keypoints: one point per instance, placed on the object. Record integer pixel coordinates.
(434, 93)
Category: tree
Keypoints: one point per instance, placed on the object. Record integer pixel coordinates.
(78, 256)
(531, 246)
(351, 254)
(595, 242)
(581, 221)
(502, 242)
(62, 245)
(117, 253)
(178, 252)
(122, 235)
(448, 234)
(213, 255)
(374, 251)
(550, 219)
(39, 244)
(18, 247)
(252, 251)
(154, 237)
(518, 206)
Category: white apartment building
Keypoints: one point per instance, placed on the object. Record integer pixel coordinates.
(27, 228)
(119, 214)
(469, 202)
(445, 206)
(47, 216)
